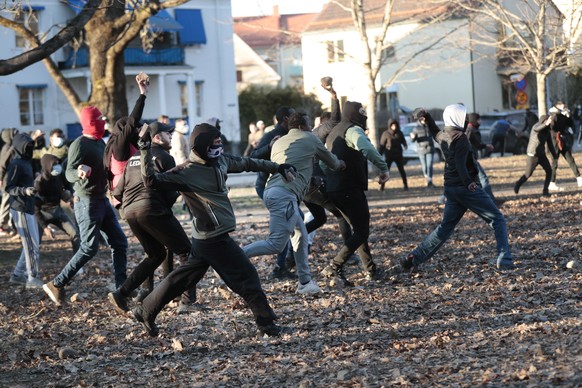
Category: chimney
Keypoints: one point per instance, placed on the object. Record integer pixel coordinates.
(276, 11)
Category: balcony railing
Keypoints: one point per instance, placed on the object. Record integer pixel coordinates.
(133, 57)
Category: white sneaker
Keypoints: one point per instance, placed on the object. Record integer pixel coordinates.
(554, 187)
(309, 288)
(579, 180)
(34, 283)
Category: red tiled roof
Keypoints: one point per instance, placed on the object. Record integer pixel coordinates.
(259, 31)
(337, 14)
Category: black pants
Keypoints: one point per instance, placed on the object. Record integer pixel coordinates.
(532, 163)
(567, 154)
(354, 206)
(318, 202)
(224, 255)
(498, 142)
(399, 160)
(155, 233)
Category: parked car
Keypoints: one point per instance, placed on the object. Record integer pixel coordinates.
(410, 153)
(516, 139)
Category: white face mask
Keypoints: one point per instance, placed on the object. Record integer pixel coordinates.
(214, 151)
(58, 142)
(57, 170)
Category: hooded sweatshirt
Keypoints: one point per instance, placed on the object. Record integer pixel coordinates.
(203, 183)
(460, 164)
(122, 144)
(349, 143)
(19, 175)
(49, 188)
(7, 151)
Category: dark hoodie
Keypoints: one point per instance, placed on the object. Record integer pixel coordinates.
(7, 151)
(19, 175)
(474, 134)
(391, 142)
(49, 188)
(122, 143)
(355, 176)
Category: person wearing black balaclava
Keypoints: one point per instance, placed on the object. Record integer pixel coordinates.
(20, 187)
(202, 182)
(346, 188)
(462, 191)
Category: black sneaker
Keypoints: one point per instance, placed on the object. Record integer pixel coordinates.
(407, 263)
(375, 274)
(118, 301)
(273, 330)
(148, 323)
(282, 273)
(506, 265)
(331, 271)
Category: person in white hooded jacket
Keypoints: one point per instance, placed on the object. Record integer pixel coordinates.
(179, 143)
(462, 190)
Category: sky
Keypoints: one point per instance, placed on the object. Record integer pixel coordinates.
(265, 7)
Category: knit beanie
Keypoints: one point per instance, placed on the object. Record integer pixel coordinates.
(201, 138)
(92, 122)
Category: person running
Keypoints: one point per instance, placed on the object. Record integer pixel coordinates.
(94, 213)
(462, 191)
(149, 215)
(203, 184)
(536, 153)
(346, 188)
(563, 140)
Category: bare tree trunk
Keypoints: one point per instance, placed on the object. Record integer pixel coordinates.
(541, 93)
(371, 111)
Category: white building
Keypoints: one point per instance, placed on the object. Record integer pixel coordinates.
(449, 71)
(193, 76)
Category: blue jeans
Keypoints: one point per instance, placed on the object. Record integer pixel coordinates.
(96, 217)
(459, 200)
(284, 220)
(484, 180)
(426, 161)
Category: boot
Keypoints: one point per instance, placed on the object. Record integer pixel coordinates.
(338, 271)
(518, 184)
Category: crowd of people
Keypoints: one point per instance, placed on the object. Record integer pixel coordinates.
(139, 173)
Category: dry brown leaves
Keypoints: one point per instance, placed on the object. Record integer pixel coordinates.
(457, 322)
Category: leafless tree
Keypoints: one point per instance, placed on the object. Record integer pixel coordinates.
(373, 61)
(109, 29)
(529, 35)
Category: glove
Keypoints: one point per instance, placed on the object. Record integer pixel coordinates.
(30, 191)
(145, 138)
(288, 172)
(418, 113)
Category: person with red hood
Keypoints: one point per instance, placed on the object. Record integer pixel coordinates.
(93, 211)
(346, 188)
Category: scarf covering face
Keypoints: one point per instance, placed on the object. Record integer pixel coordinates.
(454, 116)
(92, 122)
(202, 138)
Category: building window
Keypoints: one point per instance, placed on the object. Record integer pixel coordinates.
(183, 97)
(199, 95)
(29, 19)
(388, 54)
(335, 51)
(31, 105)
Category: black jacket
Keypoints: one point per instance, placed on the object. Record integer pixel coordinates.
(124, 132)
(20, 176)
(539, 137)
(460, 164)
(355, 176)
(7, 152)
(135, 197)
(475, 139)
(421, 135)
(49, 189)
(392, 142)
